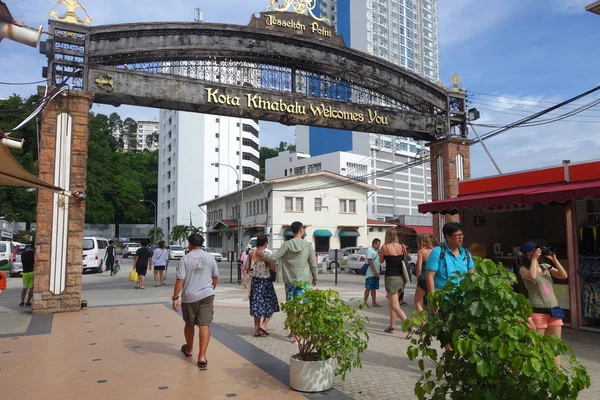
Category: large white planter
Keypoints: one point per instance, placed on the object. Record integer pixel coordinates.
(311, 376)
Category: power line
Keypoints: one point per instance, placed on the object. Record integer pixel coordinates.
(543, 112)
(514, 106)
(517, 98)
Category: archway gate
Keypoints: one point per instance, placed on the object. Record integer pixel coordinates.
(282, 67)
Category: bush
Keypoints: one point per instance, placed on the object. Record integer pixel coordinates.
(495, 355)
(327, 327)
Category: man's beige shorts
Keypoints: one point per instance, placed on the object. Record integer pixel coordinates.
(200, 312)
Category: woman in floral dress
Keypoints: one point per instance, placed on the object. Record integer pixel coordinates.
(263, 299)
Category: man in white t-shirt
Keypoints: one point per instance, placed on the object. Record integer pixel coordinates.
(197, 278)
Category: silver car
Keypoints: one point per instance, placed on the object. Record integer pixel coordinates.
(218, 257)
(16, 268)
(176, 252)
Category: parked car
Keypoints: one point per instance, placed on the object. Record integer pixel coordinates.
(176, 252)
(218, 257)
(94, 249)
(16, 267)
(6, 254)
(343, 260)
(119, 251)
(358, 259)
(130, 249)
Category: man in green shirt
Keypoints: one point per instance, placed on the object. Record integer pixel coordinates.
(298, 262)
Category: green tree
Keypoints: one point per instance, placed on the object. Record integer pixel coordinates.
(266, 153)
(156, 234)
(16, 203)
(493, 354)
(129, 133)
(179, 233)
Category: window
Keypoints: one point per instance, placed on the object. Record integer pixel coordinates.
(250, 157)
(343, 208)
(170, 120)
(289, 204)
(250, 129)
(169, 148)
(216, 179)
(216, 149)
(216, 135)
(217, 120)
(169, 175)
(352, 206)
(168, 204)
(250, 143)
(347, 206)
(169, 161)
(314, 167)
(169, 134)
(299, 204)
(299, 170)
(168, 188)
(318, 204)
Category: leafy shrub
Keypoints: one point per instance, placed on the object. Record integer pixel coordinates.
(327, 327)
(495, 355)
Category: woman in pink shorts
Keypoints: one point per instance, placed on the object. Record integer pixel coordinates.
(547, 315)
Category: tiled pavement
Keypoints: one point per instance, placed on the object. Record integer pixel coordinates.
(386, 374)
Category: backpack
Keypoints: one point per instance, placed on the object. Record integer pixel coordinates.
(364, 268)
(443, 254)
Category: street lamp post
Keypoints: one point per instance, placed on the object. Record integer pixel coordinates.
(154, 204)
(241, 190)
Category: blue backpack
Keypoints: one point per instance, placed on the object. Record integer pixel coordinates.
(364, 268)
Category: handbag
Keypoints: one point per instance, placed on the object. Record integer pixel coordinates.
(364, 268)
(557, 313)
(133, 276)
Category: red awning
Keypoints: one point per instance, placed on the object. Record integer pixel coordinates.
(543, 194)
(421, 229)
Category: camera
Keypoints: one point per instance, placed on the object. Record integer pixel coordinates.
(547, 251)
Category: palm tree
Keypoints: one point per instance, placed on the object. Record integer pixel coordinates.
(179, 233)
(156, 234)
(193, 229)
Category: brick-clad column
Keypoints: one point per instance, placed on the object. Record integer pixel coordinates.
(448, 149)
(77, 106)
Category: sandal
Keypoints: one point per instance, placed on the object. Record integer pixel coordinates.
(389, 330)
(21, 304)
(264, 331)
(203, 364)
(137, 287)
(259, 335)
(184, 351)
(28, 304)
(156, 285)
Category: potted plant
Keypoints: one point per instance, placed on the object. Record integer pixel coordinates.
(493, 354)
(331, 337)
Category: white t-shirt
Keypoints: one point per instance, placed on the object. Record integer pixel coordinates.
(197, 268)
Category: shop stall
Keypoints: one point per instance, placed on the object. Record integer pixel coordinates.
(557, 208)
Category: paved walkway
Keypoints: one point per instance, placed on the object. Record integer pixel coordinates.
(386, 374)
(126, 353)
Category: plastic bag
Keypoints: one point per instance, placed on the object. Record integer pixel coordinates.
(133, 276)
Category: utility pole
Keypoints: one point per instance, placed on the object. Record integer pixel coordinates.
(16, 30)
(198, 15)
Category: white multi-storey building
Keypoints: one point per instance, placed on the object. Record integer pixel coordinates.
(403, 32)
(293, 163)
(334, 215)
(147, 135)
(201, 157)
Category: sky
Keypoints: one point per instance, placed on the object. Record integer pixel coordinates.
(514, 57)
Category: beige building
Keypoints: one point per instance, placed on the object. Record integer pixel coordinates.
(332, 207)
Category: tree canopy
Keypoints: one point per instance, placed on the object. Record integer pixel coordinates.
(116, 180)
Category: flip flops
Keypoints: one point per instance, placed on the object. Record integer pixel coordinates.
(203, 364)
(184, 351)
(264, 331)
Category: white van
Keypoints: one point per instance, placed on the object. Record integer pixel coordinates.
(94, 249)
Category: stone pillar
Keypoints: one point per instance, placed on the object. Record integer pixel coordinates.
(450, 164)
(60, 219)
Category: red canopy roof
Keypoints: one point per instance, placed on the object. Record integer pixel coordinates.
(422, 229)
(559, 192)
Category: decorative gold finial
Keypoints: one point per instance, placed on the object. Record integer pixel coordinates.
(70, 16)
(304, 7)
(456, 81)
